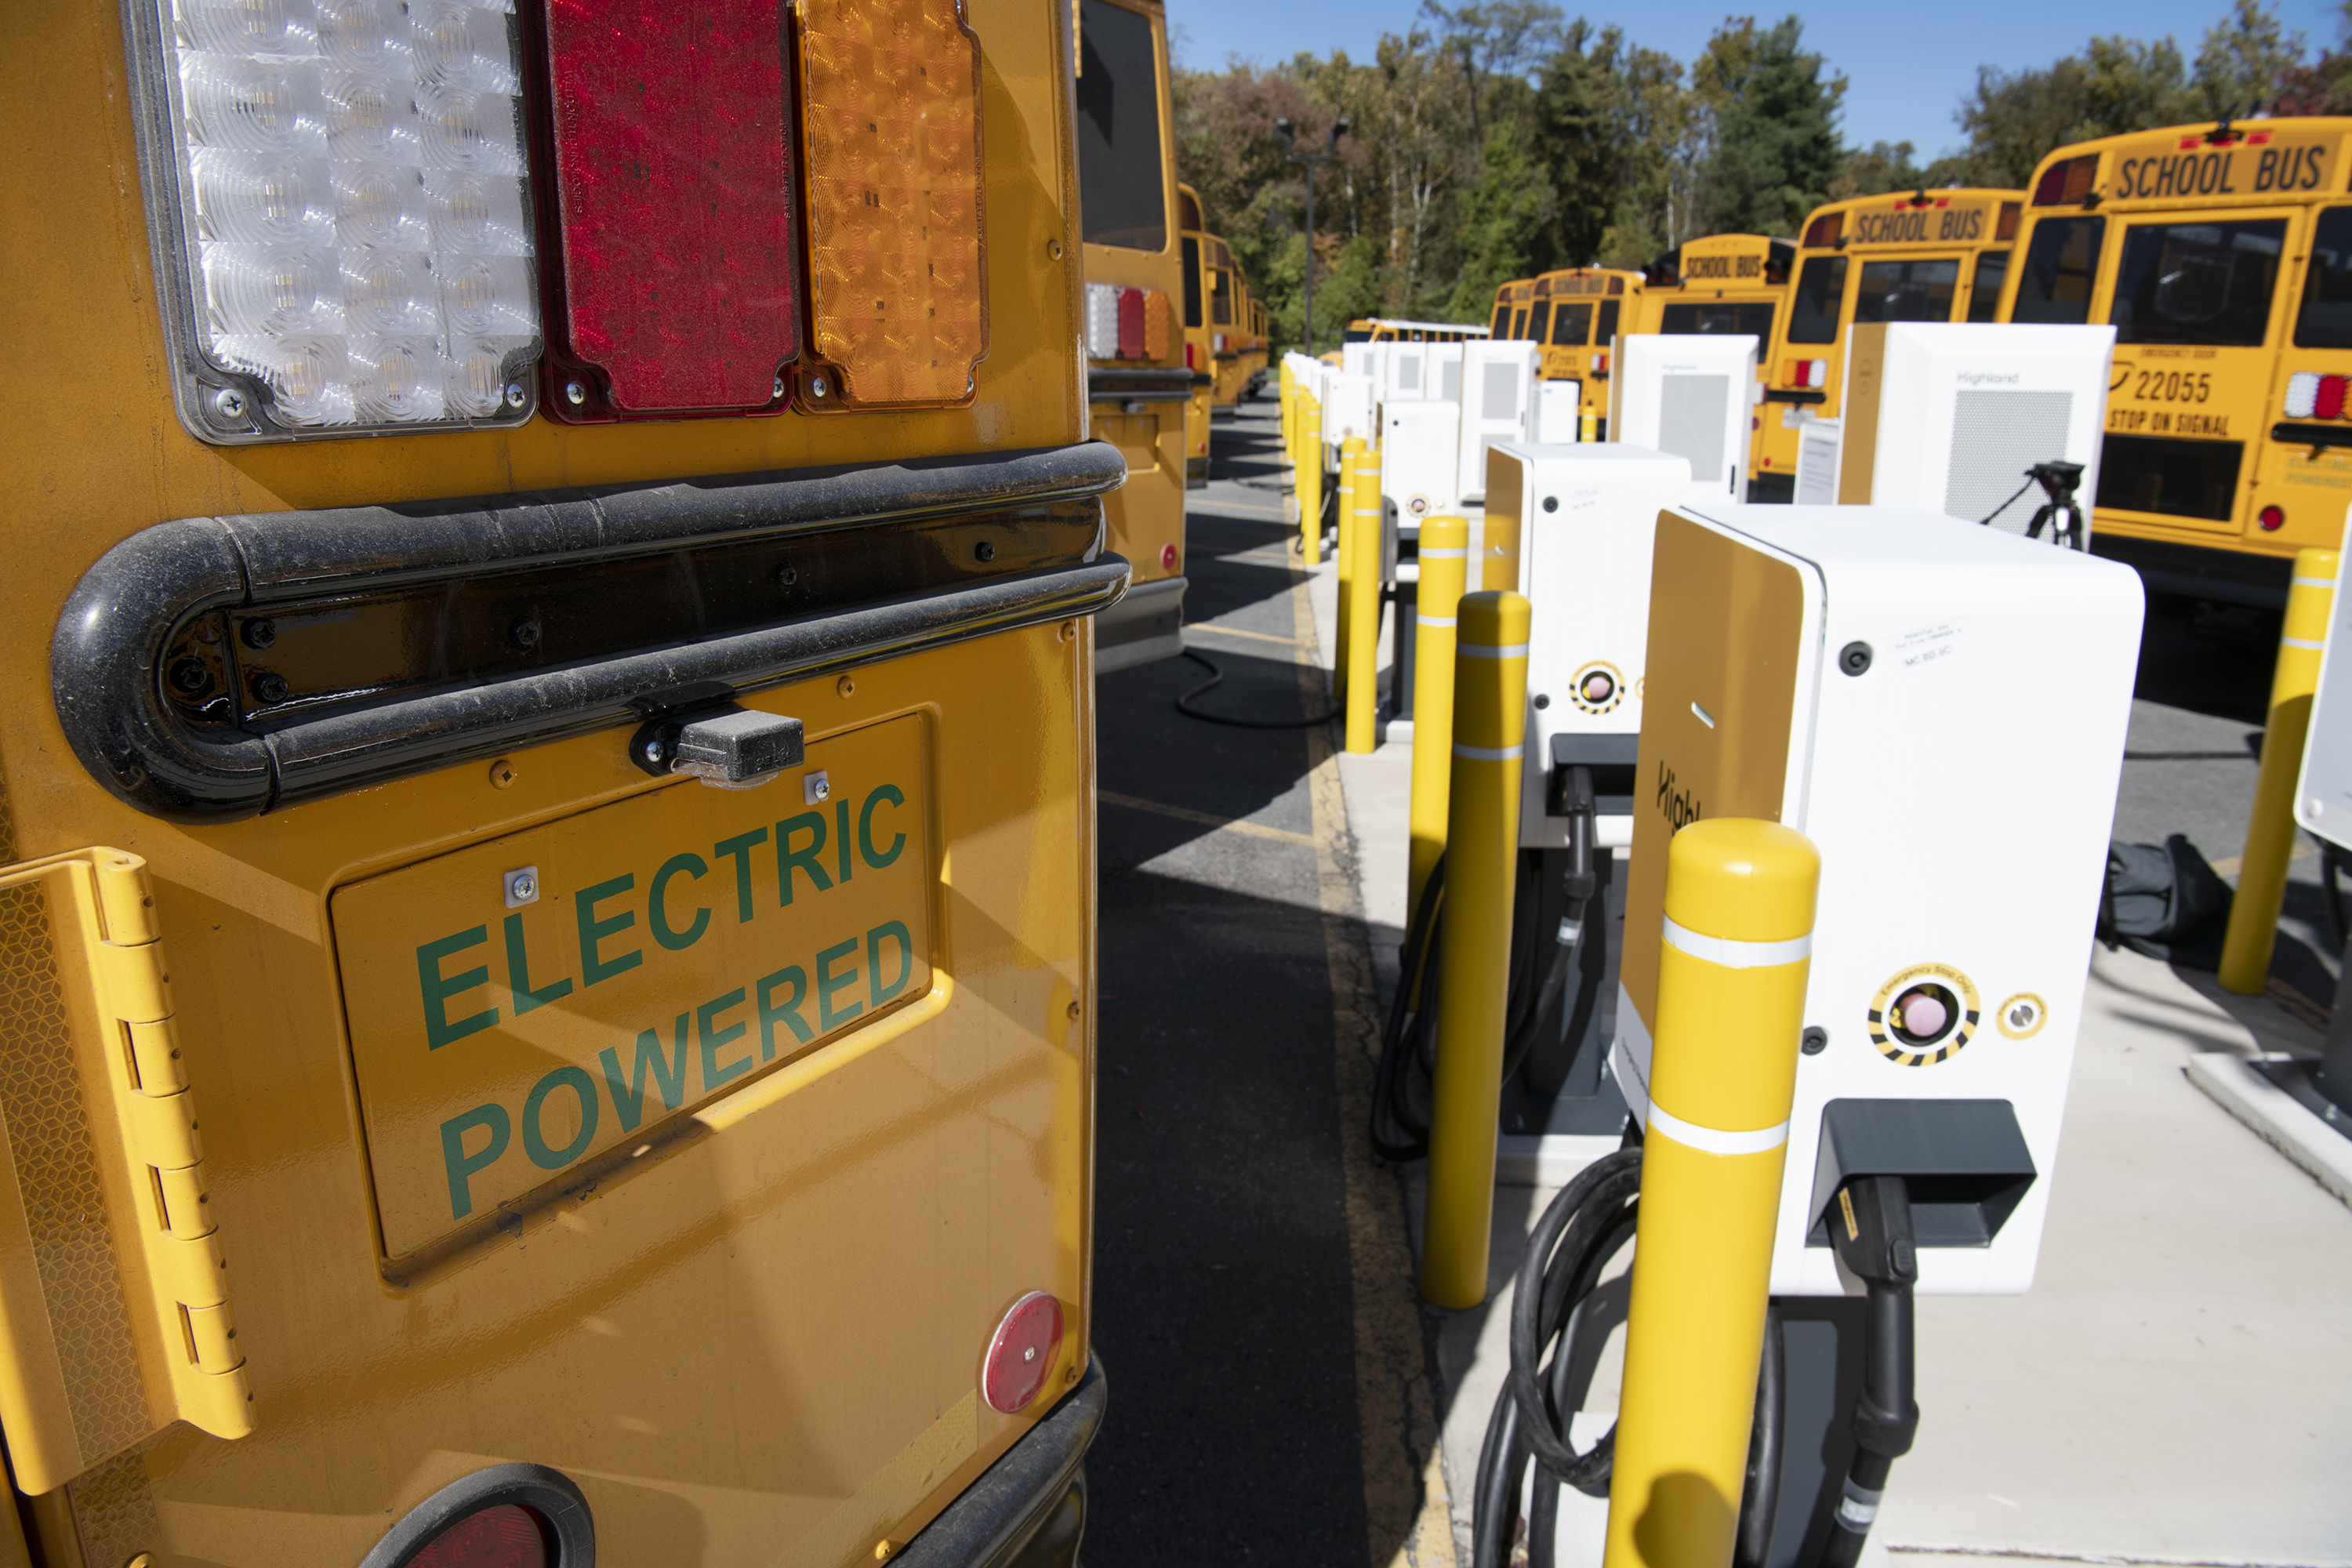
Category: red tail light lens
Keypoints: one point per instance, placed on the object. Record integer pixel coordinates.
(897, 285)
(1822, 232)
(2329, 404)
(504, 1536)
(1021, 1352)
(672, 287)
(1131, 323)
(2271, 518)
(1189, 356)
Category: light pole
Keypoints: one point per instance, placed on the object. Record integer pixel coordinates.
(1338, 129)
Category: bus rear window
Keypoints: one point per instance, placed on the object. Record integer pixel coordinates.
(1908, 290)
(1501, 328)
(1820, 294)
(2326, 319)
(1220, 298)
(1121, 185)
(1192, 282)
(1571, 326)
(1984, 290)
(1607, 325)
(1755, 319)
(2206, 283)
(2060, 263)
(1539, 321)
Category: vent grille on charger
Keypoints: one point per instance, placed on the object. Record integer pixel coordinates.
(1997, 435)
(1691, 410)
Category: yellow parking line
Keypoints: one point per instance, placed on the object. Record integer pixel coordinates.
(1186, 814)
(1237, 632)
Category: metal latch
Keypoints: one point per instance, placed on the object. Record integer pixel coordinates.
(730, 748)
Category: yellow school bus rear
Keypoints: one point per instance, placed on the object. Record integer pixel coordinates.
(1199, 355)
(1576, 315)
(1139, 380)
(1511, 303)
(1733, 284)
(1228, 326)
(446, 496)
(2222, 255)
(1928, 255)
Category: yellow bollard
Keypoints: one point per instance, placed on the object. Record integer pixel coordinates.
(1723, 1072)
(1444, 562)
(1482, 853)
(1361, 583)
(2269, 826)
(1309, 483)
(1351, 456)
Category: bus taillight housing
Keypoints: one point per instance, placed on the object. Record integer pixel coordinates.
(1805, 374)
(2311, 396)
(2066, 183)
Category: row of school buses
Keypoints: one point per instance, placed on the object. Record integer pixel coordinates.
(2221, 255)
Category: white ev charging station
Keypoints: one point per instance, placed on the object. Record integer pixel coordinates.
(1349, 401)
(1877, 678)
(1421, 452)
(1692, 395)
(1557, 403)
(1497, 397)
(1949, 416)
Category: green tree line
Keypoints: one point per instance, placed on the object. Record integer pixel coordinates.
(1497, 139)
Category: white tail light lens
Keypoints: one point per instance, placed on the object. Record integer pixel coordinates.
(341, 214)
(2302, 393)
(1817, 372)
(1102, 321)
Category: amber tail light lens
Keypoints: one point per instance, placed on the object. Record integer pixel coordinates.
(897, 286)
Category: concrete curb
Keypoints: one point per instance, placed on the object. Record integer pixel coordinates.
(2271, 1111)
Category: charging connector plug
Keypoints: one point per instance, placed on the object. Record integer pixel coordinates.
(1870, 1227)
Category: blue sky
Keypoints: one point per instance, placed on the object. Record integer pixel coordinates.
(1908, 63)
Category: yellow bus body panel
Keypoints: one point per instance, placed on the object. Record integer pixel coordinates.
(2218, 393)
(1147, 513)
(762, 1345)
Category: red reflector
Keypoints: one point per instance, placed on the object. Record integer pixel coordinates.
(1131, 323)
(670, 282)
(505, 1536)
(2329, 404)
(1168, 558)
(1187, 358)
(2191, 143)
(2271, 518)
(1021, 1352)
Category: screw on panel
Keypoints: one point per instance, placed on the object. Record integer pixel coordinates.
(229, 403)
(520, 886)
(984, 550)
(655, 752)
(1814, 1041)
(1054, 249)
(817, 787)
(787, 575)
(1854, 657)
(189, 676)
(574, 394)
(777, 390)
(515, 396)
(845, 686)
(502, 774)
(817, 386)
(259, 635)
(525, 633)
(270, 687)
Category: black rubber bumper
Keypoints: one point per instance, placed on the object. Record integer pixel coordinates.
(1029, 1508)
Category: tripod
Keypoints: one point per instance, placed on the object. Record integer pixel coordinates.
(2057, 481)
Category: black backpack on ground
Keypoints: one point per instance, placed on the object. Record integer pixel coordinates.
(2162, 900)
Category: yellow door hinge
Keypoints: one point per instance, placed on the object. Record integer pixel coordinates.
(114, 1315)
